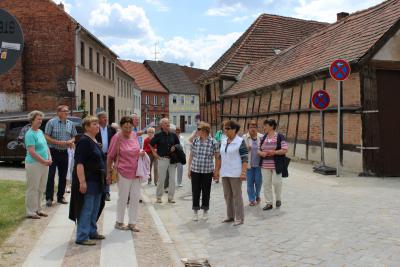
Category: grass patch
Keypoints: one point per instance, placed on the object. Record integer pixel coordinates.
(12, 207)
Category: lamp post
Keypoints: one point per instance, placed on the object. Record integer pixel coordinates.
(71, 88)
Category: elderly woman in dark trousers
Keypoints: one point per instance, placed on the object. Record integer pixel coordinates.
(234, 159)
(37, 162)
(201, 168)
(89, 178)
(269, 150)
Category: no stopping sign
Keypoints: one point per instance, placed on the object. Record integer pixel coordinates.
(11, 41)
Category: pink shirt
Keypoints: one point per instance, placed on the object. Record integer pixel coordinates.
(128, 154)
(270, 144)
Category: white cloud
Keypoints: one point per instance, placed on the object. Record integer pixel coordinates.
(114, 20)
(224, 10)
(240, 19)
(326, 10)
(158, 5)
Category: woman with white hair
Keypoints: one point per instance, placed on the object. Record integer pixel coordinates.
(37, 162)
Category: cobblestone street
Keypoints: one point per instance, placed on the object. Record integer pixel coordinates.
(324, 221)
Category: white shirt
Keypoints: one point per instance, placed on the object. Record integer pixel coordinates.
(183, 143)
(231, 163)
(104, 139)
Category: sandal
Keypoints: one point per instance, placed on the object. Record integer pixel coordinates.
(133, 228)
(121, 226)
(33, 216)
(252, 203)
(238, 223)
(268, 207)
(228, 220)
(42, 214)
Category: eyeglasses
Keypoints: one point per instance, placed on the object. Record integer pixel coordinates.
(198, 129)
(228, 128)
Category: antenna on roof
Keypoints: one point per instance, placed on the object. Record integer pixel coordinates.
(155, 50)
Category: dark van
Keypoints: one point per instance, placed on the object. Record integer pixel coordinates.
(12, 148)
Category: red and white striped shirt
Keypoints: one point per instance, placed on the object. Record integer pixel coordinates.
(270, 144)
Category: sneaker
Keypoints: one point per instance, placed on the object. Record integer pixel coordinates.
(278, 203)
(158, 200)
(171, 201)
(121, 226)
(195, 217)
(205, 215)
(86, 243)
(49, 203)
(97, 237)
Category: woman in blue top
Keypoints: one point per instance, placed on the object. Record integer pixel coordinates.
(37, 162)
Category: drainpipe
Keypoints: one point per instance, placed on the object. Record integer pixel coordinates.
(77, 30)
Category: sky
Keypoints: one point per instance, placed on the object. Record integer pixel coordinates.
(185, 31)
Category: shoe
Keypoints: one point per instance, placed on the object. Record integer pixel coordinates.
(258, 200)
(252, 203)
(107, 198)
(166, 191)
(97, 237)
(171, 201)
(158, 200)
(49, 203)
(195, 217)
(86, 243)
(62, 201)
(33, 216)
(180, 185)
(133, 228)
(42, 214)
(278, 203)
(205, 216)
(121, 226)
(228, 220)
(267, 207)
(238, 223)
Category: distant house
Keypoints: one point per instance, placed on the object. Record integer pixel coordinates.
(183, 92)
(265, 38)
(154, 97)
(281, 87)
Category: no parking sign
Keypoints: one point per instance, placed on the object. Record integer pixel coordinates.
(321, 99)
(340, 70)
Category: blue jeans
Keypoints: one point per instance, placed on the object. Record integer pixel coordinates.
(254, 182)
(87, 221)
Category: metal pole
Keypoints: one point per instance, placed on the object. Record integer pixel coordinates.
(339, 106)
(322, 139)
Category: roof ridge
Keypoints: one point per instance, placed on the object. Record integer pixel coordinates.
(294, 18)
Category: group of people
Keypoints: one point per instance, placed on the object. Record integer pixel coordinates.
(104, 154)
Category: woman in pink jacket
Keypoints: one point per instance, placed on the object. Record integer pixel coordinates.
(124, 152)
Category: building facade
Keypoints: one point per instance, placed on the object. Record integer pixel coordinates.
(265, 38)
(183, 93)
(154, 97)
(282, 87)
(125, 93)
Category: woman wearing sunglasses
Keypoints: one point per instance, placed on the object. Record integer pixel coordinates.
(234, 158)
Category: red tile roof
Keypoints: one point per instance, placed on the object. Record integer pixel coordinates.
(267, 33)
(143, 77)
(350, 39)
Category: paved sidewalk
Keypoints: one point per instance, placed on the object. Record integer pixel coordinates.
(324, 221)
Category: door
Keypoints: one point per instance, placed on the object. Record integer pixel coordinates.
(182, 123)
(111, 110)
(388, 82)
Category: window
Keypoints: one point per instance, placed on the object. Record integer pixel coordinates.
(182, 99)
(91, 103)
(163, 101)
(147, 119)
(155, 119)
(155, 101)
(147, 100)
(104, 102)
(83, 54)
(90, 58)
(112, 71)
(118, 92)
(98, 101)
(109, 70)
(208, 92)
(174, 120)
(193, 99)
(98, 62)
(174, 99)
(104, 66)
(189, 120)
(83, 96)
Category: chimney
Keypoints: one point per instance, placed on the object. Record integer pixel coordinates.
(61, 5)
(342, 15)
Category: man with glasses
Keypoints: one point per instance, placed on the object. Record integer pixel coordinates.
(60, 135)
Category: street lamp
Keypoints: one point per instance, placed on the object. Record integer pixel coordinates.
(71, 88)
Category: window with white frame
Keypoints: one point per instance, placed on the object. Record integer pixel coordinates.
(147, 119)
(174, 99)
(155, 100)
(155, 119)
(174, 120)
(182, 100)
(147, 100)
(162, 101)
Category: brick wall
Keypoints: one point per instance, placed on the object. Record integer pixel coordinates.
(151, 110)
(48, 57)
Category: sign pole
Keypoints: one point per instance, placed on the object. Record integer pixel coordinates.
(322, 138)
(339, 107)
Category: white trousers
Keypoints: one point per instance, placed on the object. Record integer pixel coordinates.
(36, 180)
(163, 166)
(128, 188)
(271, 180)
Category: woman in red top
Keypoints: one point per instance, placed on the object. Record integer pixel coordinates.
(147, 149)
